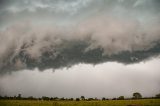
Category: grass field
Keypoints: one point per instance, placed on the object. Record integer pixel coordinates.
(143, 102)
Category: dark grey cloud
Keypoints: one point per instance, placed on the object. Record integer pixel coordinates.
(56, 34)
(55, 52)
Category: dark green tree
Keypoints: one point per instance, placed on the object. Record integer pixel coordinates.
(62, 98)
(82, 98)
(45, 98)
(137, 95)
(55, 98)
(77, 99)
(89, 99)
(19, 96)
(71, 99)
(121, 98)
(158, 95)
(103, 98)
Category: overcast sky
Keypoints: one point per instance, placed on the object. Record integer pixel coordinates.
(69, 48)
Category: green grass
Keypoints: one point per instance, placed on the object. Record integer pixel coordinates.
(142, 102)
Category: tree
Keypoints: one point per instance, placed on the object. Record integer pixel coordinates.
(114, 98)
(55, 98)
(77, 99)
(82, 98)
(103, 98)
(158, 95)
(45, 98)
(71, 99)
(137, 95)
(89, 99)
(62, 98)
(121, 98)
(19, 96)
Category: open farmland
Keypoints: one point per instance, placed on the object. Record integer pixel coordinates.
(142, 102)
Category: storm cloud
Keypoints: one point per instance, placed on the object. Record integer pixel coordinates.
(72, 32)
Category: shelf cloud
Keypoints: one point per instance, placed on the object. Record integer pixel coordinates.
(77, 31)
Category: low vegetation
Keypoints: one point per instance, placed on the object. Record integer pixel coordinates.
(140, 102)
(136, 100)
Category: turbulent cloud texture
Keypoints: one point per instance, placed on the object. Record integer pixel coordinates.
(55, 34)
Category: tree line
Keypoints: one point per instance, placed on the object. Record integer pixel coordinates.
(135, 95)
